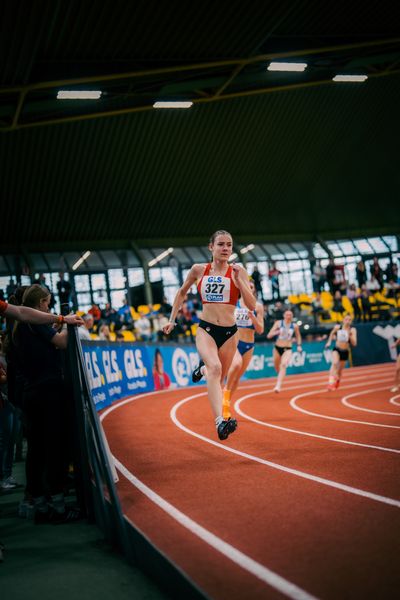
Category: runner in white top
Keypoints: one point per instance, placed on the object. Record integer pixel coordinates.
(345, 336)
(284, 330)
(248, 323)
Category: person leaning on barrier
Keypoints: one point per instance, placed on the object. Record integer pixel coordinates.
(36, 317)
(46, 408)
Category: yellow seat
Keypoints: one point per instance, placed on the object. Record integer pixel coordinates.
(128, 335)
(156, 307)
(337, 317)
(347, 305)
(326, 300)
(293, 299)
(143, 309)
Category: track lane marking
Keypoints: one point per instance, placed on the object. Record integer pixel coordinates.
(345, 401)
(246, 416)
(313, 414)
(296, 472)
(253, 567)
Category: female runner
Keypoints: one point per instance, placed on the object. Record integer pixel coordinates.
(248, 323)
(346, 336)
(284, 329)
(219, 285)
(396, 386)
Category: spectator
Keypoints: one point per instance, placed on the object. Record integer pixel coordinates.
(104, 333)
(45, 406)
(125, 318)
(159, 322)
(95, 312)
(257, 278)
(376, 272)
(392, 289)
(161, 378)
(9, 427)
(108, 314)
(273, 275)
(143, 328)
(84, 332)
(361, 274)
(165, 307)
(353, 296)
(184, 324)
(277, 311)
(10, 289)
(316, 307)
(373, 284)
(338, 303)
(318, 277)
(64, 289)
(366, 303)
(330, 275)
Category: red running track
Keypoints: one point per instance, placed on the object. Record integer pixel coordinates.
(302, 501)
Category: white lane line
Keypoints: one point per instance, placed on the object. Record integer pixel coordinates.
(296, 472)
(345, 401)
(269, 577)
(314, 414)
(297, 431)
(393, 400)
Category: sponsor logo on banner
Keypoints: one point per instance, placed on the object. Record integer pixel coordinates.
(388, 333)
(116, 371)
(183, 363)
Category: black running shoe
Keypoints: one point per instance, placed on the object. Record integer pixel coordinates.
(226, 427)
(197, 374)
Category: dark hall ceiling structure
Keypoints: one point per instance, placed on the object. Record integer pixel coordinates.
(266, 155)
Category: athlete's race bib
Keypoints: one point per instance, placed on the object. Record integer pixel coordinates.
(242, 318)
(286, 333)
(216, 289)
(342, 336)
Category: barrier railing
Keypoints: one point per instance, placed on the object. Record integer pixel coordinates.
(96, 490)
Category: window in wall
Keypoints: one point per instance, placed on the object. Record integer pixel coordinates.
(363, 247)
(335, 249)
(98, 281)
(84, 301)
(348, 248)
(117, 298)
(170, 293)
(116, 279)
(135, 277)
(319, 251)
(378, 245)
(4, 281)
(82, 283)
(155, 274)
(391, 241)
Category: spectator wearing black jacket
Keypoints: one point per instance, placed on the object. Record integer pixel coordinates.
(38, 356)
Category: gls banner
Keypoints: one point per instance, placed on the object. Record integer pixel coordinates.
(116, 371)
(314, 357)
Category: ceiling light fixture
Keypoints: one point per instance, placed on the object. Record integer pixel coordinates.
(287, 66)
(160, 257)
(350, 78)
(170, 104)
(246, 249)
(81, 259)
(79, 94)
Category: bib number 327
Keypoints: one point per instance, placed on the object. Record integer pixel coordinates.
(214, 288)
